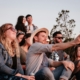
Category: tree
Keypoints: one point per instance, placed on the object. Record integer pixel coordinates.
(64, 25)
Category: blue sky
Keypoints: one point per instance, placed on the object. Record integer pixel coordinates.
(44, 12)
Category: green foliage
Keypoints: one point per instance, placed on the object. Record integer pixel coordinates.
(64, 25)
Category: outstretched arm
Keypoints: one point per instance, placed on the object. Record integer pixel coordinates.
(61, 46)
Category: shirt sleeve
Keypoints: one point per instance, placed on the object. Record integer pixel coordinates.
(19, 67)
(50, 62)
(41, 48)
(4, 68)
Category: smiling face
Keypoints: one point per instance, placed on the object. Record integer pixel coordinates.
(41, 37)
(24, 20)
(58, 38)
(29, 19)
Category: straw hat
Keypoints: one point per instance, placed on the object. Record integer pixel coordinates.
(38, 30)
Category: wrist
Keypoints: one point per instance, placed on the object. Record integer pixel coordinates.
(21, 75)
(62, 62)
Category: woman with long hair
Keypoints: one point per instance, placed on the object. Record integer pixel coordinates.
(10, 67)
(20, 25)
(75, 57)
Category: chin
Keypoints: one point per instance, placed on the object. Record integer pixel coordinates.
(14, 38)
(43, 43)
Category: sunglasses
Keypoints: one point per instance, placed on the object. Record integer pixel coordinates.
(59, 37)
(11, 28)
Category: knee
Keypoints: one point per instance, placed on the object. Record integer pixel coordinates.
(47, 72)
(44, 74)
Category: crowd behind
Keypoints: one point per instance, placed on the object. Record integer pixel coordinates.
(27, 53)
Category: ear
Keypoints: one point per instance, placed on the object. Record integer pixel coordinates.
(35, 38)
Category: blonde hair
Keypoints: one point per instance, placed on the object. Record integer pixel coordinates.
(13, 47)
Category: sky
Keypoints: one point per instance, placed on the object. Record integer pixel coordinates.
(44, 12)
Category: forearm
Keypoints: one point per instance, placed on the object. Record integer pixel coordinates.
(7, 70)
(57, 63)
(62, 46)
(19, 67)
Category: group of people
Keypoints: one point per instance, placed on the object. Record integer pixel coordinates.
(27, 54)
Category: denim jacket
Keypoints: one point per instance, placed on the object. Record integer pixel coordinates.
(6, 63)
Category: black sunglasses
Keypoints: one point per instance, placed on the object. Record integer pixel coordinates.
(11, 28)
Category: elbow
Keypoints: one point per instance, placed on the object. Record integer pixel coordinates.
(55, 48)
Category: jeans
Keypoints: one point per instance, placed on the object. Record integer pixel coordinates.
(47, 74)
(10, 77)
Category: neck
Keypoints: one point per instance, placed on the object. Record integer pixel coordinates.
(25, 47)
(29, 24)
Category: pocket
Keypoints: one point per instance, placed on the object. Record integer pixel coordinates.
(5, 55)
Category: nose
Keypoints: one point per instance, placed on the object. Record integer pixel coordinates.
(60, 40)
(15, 31)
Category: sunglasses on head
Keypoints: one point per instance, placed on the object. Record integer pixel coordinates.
(11, 28)
(59, 37)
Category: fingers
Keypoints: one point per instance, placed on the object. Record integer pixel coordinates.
(71, 66)
(32, 78)
(66, 68)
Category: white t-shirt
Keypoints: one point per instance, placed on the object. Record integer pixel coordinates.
(30, 28)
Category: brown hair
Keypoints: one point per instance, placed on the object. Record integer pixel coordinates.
(74, 53)
(12, 48)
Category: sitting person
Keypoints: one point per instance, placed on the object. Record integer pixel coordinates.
(75, 57)
(20, 36)
(58, 38)
(24, 46)
(10, 67)
(38, 63)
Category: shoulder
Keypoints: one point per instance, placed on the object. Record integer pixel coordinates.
(35, 26)
(37, 44)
